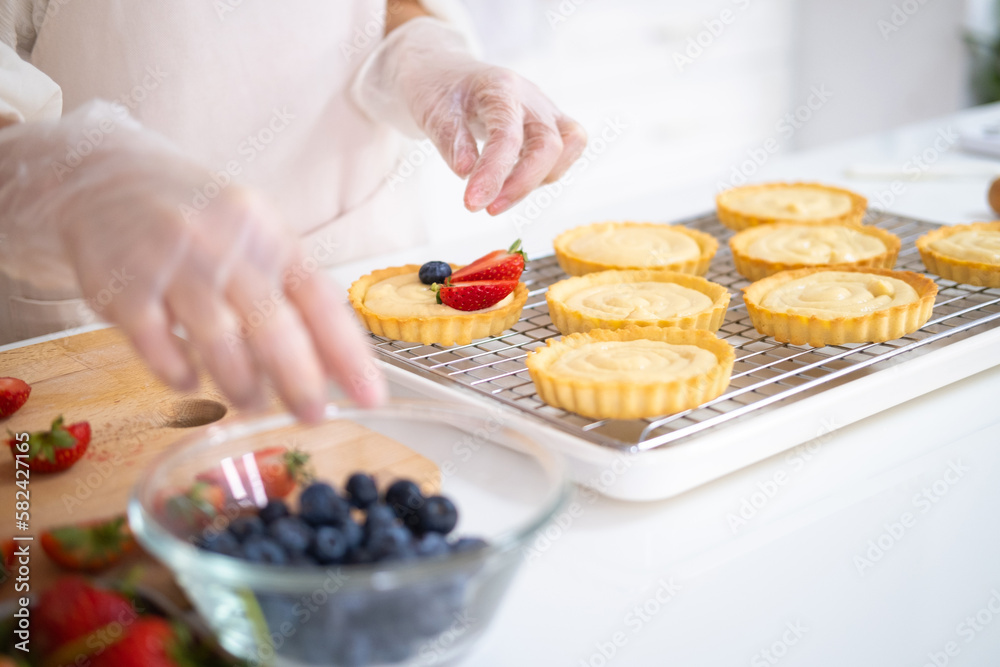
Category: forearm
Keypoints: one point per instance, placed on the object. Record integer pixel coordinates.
(399, 12)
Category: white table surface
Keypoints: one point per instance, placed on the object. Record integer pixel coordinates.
(679, 582)
(804, 560)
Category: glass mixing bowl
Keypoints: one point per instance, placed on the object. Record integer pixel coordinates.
(413, 612)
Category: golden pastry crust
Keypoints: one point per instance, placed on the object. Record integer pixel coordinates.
(734, 218)
(460, 328)
(968, 272)
(568, 320)
(875, 327)
(632, 399)
(577, 265)
(755, 268)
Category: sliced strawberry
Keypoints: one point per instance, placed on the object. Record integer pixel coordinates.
(13, 394)
(55, 450)
(498, 265)
(194, 508)
(279, 469)
(91, 546)
(474, 295)
(72, 608)
(149, 642)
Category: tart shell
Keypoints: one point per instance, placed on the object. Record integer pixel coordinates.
(952, 268)
(739, 220)
(568, 321)
(631, 400)
(876, 327)
(578, 265)
(755, 268)
(459, 329)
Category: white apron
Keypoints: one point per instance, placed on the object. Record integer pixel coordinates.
(254, 89)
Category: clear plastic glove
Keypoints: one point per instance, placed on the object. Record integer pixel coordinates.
(117, 204)
(423, 80)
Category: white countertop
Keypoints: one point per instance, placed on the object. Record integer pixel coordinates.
(804, 578)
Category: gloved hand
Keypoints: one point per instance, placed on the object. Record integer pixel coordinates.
(423, 80)
(116, 203)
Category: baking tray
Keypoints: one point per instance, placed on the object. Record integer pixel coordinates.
(768, 377)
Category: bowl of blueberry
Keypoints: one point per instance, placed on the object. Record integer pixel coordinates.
(376, 537)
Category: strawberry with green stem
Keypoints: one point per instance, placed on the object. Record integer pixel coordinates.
(497, 265)
(89, 547)
(54, 450)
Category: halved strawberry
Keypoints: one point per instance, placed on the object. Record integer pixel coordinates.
(91, 546)
(194, 508)
(13, 394)
(55, 450)
(72, 609)
(498, 265)
(474, 295)
(277, 468)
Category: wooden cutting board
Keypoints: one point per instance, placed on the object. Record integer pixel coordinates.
(97, 377)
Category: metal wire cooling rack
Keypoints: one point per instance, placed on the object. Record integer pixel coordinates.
(767, 374)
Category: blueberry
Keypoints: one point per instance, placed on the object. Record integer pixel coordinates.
(220, 543)
(353, 532)
(434, 272)
(329, 546)
(264, 550)
(432, 544)
(293, 534)
(436, 515)
(319, 505)
(405, 499)
(362, 490)
(393, 543)
(246, 526)
(380, 518)
(466, 544)
(275, 509)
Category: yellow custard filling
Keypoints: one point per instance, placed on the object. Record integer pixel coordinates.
(799, 202)
(634, 361)
(810, 244)
(971, 245)
(636, 246)
(638, 301)
(405, 296)
(838, 293)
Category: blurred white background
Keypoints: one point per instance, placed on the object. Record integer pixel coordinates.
(688, 91)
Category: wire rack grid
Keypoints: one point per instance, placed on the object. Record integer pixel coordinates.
(767, 374)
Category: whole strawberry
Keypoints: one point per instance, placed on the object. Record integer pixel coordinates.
(498, 265)
(54, 450)
(72, 609)
(149, 642)
(13, 394)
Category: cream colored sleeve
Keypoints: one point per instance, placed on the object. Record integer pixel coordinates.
(26, 93)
